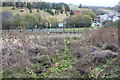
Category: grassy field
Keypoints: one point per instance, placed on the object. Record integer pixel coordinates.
(79, 29)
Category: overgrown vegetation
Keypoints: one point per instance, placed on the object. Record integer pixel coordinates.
(41, 56)
(80, 51)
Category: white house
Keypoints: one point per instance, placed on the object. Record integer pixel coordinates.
(110, 16)
(104, 17)
(117, 17)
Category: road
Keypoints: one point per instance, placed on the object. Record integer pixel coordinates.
(62, 35)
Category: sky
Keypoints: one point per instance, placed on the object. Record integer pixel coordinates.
(105, 3)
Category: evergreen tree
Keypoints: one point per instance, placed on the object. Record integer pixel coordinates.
(56, 12)
(51, 12)
(22, 4)
(80, 6)
(30, 10)
(71, 12)
(17, 4)
(13, 6)
(67, 8)
(63, 8)
(29, 6)
(38, 10)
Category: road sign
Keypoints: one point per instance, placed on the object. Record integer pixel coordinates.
(46, 24)
(60, 25)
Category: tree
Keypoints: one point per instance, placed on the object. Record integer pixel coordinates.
(17, 4)
(87, 20)
(30, 10)
(66, 13)
(67, 8)
(50, 11)
(30, 21)
(13, 6)
(62, 9)
(79, 21)
(54, 22)
(22, 4)
(38, 10)
(53, 5)
(71, 12)
(92, 14)
(80, 6)
(70, 21)
(56, 11)
(18, 21)
(39, 19)
(29, 6)
(4, 4)
(8, 3)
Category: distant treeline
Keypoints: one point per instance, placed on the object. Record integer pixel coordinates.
(38, 5)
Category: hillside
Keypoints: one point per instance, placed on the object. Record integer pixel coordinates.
(44, 14)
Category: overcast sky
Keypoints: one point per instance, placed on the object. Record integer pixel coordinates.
(88, 2)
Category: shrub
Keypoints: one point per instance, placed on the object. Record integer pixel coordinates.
(103, 37)
(79, 21)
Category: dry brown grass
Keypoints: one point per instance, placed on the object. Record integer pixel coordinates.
(22, 48)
